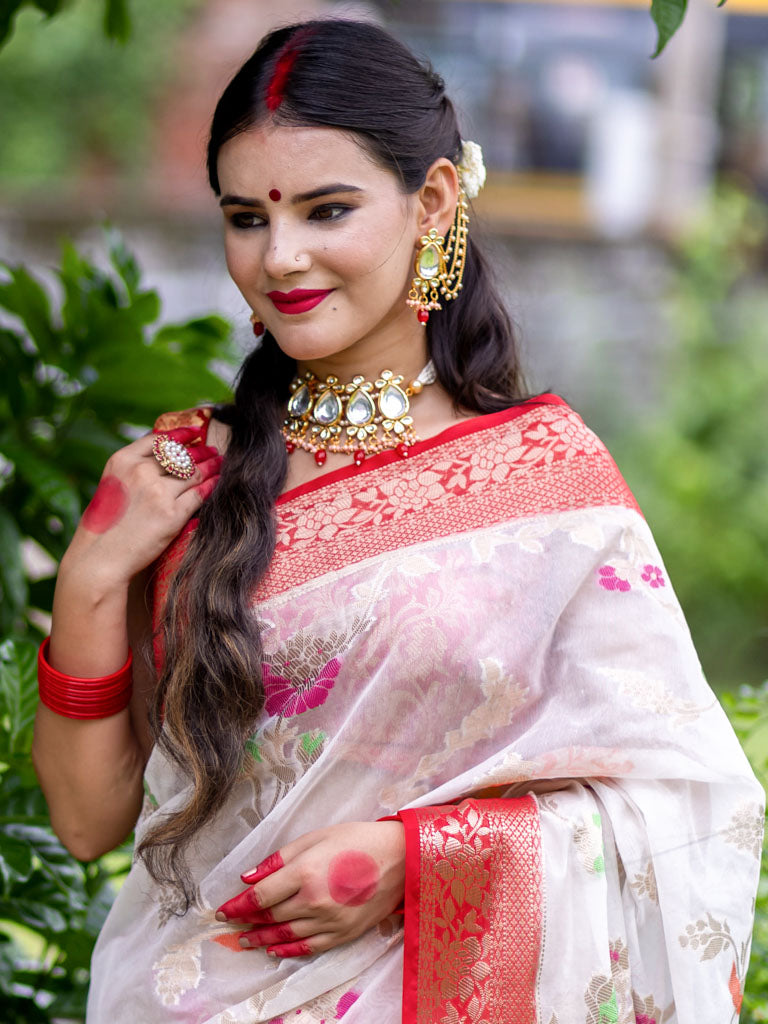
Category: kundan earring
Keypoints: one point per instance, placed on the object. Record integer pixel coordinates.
(439, 267)
(258, 326)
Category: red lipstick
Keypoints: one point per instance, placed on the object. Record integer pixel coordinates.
(300, 300)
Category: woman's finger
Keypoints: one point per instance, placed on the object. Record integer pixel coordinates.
(211, 467)
(268, 866)
(302, 948)
(201, 452)
(201, 486)
(305, 947)
(182, 434)
(271, 935)
(256, 899)
(206, 489)
(241, 907)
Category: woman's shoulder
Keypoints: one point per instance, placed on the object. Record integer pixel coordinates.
(544, 450)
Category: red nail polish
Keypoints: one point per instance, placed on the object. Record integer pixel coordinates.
(267, 867)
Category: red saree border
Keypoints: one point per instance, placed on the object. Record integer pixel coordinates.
(473, 912)
(463, 429)
(535, 458)
(526, 461)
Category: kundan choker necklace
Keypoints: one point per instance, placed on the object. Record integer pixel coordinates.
(358, 419)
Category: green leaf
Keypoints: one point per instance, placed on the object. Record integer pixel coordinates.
(137, 391)
(55, 889)
(252, 748)
(123, 261)
(41, 593)
(16, 862)
(117, 21)
(18, 694)
(668, 16)
(9, 9)
(55, 491)
(18, 369)
(205, 338)
(310, 741)
(13, 584)
(25, 297)
(23, 799)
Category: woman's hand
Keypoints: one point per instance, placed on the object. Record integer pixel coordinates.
(326, 888)
(138, 508)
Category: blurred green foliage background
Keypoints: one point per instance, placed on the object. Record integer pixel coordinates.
(75, 93)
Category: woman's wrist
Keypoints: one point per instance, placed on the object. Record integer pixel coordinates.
(83, 697)
(92, 579)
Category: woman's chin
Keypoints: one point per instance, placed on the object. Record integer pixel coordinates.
(308, 346)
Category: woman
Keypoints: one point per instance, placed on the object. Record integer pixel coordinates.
(416, 641)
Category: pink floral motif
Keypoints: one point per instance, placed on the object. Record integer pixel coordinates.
(653, 575)
(287, 698)
(610, 581)
(643, 1018)
(345, 1003)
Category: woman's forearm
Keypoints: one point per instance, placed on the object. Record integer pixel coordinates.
(90, 770)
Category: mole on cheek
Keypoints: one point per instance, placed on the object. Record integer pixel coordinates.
(107, 506)
(353, 878)
(275, 195)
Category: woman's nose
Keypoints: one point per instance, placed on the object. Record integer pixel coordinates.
(286, 253)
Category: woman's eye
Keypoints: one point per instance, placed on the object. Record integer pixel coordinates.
(246, 220)
(329, 212)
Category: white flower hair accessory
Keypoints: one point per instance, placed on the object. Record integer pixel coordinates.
(471, 168)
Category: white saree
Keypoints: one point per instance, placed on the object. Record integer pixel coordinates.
(483, 633)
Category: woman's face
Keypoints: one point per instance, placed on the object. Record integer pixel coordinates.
(306, 210)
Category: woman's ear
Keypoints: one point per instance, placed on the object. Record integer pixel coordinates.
(438, 197)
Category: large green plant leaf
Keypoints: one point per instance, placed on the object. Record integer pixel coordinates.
(25, 297)
(55, 491)
(668, 16)
(13, 584)
(55, 885)
(117, 22)
(9, 9)
(136, 390)
(18, 696)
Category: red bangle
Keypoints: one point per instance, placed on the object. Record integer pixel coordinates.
(74, 697)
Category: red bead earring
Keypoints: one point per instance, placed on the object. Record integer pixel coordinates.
(258, 326)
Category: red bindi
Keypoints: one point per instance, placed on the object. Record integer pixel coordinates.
(275, 195)
(353, 878)
(107, 506)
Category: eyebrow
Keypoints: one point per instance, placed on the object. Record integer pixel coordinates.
(302, 197)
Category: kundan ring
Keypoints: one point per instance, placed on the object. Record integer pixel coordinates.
(173, 457)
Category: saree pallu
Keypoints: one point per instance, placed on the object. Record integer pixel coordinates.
(481, 639)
